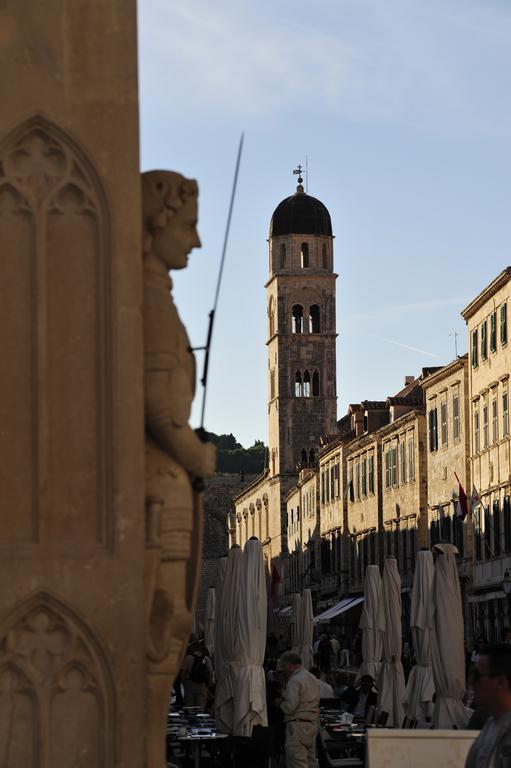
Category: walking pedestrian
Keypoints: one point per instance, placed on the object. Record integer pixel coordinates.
(336, 648)
(300, 705)
(324, 654)
(197, 674)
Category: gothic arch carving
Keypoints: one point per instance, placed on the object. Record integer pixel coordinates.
(50, 663)
(57, 265)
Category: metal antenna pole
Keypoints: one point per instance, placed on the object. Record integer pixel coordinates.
(455, 334)
(219, 281)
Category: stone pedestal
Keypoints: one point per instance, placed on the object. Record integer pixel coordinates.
(72, 653)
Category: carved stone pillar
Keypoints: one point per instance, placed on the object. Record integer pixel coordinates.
(72, 646)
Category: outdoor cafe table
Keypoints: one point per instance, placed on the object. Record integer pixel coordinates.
(340, 744)
(191, 727)
(198, 740)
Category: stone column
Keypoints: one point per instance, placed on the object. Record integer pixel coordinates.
(72, 654)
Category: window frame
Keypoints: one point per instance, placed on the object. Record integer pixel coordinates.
(402, 462)
(494, 420)
(370, 473)
(493, 331)
(503, 323)
(484, 341)
(411, 459)
(474, 358)
(456, 432)
(443, 423)
(433, 429)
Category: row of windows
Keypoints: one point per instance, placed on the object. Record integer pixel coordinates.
(404, 472)
(300, 568)
(254, 524)
(492, 529)
(485, 417)
(308, 457)
(298, 319)
(331, 553)
(306, 385)
(361, 478)
(330, 484)
(448, 528)
(304, 256)
(433, 423)
(363, 552)
(309, 500)
(480, 341)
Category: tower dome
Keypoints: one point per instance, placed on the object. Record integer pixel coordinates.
(300, 214)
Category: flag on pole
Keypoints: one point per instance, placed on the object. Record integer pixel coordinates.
(475, 499)
(462, 504)
(275, 583)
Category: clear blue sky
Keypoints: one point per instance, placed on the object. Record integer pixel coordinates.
(403, 109)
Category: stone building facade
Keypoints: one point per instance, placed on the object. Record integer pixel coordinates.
(302, 505)
(382, 481)
(487, 319)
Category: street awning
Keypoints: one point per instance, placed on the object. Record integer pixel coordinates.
(336, 610)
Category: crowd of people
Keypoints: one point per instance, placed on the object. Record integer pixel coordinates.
(294, 694)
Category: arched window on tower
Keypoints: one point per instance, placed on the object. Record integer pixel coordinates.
(304, 255)
(314, 319)
(306, 384)
(273, 462)
(315, 384)
(272, 383)
(282, 255)
(312, 456)
(304, 456)
(298, 385)
(297, 318)
(324, 259)
(271, 315)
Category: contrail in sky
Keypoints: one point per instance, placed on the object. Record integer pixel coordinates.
(399, 344)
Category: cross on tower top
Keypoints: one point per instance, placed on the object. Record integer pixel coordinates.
(298, 172)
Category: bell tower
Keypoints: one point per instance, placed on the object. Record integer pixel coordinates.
(301, 331)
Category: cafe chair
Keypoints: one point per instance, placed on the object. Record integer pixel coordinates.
(254, 751)
(382, 718)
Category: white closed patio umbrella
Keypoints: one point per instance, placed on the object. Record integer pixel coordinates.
(218, 607)
(371, 634)
(421, 686)
(448, 655)
(250, 692)
(209, 623)
(228, 640)
(307, 629)
(391, 679)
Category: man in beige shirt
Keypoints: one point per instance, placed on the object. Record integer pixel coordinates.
(300, 705)
(492, 684)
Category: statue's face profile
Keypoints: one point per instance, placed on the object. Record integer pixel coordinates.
(170, 216)
(173, 243)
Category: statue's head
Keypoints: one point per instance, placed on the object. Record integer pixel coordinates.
(169, 211)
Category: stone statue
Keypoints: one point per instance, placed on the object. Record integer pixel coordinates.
(175, 456)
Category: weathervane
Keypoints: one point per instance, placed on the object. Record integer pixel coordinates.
(298, 172)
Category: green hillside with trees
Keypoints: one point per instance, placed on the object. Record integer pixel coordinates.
(232, 458)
